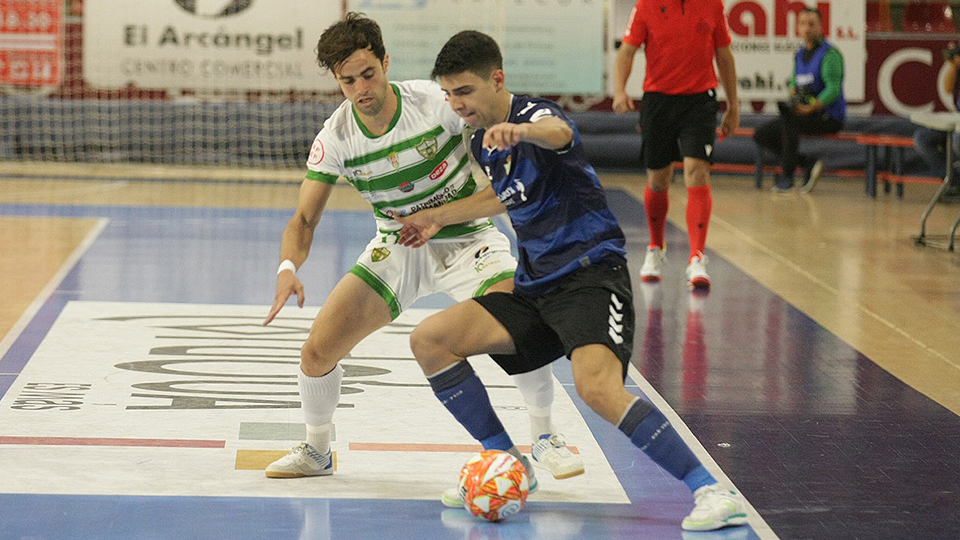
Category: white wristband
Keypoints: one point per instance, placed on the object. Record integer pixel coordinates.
(287, 264)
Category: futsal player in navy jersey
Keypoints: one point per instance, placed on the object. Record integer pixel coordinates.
(572, 292)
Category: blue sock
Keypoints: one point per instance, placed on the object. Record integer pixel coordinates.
(459, 390)
(651, 432)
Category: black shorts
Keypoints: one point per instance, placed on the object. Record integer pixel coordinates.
(675, 127)
(592, 305)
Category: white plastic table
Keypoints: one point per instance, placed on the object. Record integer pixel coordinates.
(940, 121)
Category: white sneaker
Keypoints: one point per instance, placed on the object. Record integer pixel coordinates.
(715, 507)
(697, 272)
(653, 263)
(811, 176)
(551, 452)
(453, 497)
(304, 460)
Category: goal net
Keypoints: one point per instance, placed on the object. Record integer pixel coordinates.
(234, 82)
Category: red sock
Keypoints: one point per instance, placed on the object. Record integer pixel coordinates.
(656, 204)
(699, 205)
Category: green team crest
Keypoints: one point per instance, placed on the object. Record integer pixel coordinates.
(379, 254)
(428, 148)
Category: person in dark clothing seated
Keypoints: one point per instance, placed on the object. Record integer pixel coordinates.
(816, 105)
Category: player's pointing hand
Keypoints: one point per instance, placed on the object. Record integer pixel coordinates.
(287, 286)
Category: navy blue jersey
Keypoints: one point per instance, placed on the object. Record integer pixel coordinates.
(555, 203)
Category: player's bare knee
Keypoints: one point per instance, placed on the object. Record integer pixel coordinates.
(428, 343)
(697, 173)
(594, 393)
(315, 360)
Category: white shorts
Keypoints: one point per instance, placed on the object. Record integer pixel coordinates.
(461, 269)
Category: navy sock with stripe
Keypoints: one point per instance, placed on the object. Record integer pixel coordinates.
(651, 432)
(459, 390)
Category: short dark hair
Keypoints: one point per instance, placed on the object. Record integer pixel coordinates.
(470, 51)
(813, 10)
(343, 38)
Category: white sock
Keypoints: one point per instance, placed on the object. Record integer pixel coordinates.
(537, 390)
(319, 397)
(540, 424)
(319, 437)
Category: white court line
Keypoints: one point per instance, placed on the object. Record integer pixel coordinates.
(51, 286)
(756, 521)
(82, 190)
(836, 293)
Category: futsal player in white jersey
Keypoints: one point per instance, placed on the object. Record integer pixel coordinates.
(400, 145)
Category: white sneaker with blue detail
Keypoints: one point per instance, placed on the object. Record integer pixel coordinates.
(715, 508)
(552, 453)
(303, 460)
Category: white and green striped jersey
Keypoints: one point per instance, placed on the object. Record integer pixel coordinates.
(420, 162)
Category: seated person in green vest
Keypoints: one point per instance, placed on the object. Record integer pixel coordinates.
(816, 105)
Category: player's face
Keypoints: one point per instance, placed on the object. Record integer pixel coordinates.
(363, 80)
(476, 99)
(808, 24)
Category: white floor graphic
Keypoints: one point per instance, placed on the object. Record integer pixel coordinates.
(148, 399)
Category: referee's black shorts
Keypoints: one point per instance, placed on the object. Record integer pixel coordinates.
(593, 305)
(677, 126)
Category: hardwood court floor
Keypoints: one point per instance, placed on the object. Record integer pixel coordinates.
(845, 260)
(818, 460)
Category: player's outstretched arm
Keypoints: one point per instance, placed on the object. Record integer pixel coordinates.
(549, 132)
(421, 226)
(297, 238)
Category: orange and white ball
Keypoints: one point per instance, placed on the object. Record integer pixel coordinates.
(494, 485)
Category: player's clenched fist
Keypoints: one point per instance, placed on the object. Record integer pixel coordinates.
(504, 135)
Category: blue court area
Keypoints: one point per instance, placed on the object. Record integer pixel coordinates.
(822, 442)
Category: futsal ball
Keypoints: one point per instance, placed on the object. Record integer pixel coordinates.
(494, 485)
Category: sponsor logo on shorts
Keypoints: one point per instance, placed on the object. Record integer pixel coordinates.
(485, 258)
(438, 171)
(616, 320)
(480, 266)
(379, 254)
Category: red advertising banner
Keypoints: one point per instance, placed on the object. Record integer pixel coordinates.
(31, 37)
(905, 75)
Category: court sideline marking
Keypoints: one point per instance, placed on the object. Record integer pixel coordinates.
(833, 291)
(746, 238)
(755, 520)
(18, 327)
